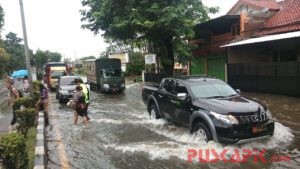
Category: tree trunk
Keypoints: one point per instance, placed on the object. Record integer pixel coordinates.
(169, 64)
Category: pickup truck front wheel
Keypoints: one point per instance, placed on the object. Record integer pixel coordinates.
(153, 112)
(201, 130)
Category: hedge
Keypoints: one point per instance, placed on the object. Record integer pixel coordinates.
(28, 102)
(36, 90)
(13, 152)
(26, 119)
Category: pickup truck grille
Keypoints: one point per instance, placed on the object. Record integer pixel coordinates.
(252, 118)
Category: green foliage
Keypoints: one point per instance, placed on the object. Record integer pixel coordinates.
(30, 145)
(26, 119)
(164, 23)
(28, 102)
(138, 79)
(136, 63)
(4, 58)
(36, 85)
(14, 47)
(54, 56)
(36, 90)
(25, 116)
(13, 151)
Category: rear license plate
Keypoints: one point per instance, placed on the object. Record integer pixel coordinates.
(258, 129)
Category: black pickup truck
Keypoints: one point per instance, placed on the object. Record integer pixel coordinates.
(210, 108)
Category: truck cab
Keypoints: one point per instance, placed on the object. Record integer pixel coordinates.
(54, 70)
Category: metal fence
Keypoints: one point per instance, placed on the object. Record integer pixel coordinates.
(278, 78)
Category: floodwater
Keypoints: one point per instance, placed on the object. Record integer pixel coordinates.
(121, 135)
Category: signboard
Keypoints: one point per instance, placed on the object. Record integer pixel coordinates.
(150, 59)
(122, 56)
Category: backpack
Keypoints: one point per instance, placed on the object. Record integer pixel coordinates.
(19, 91)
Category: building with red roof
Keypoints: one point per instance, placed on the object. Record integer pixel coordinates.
(255, 47)
(287, 19)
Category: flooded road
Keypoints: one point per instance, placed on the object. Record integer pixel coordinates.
(121, 135)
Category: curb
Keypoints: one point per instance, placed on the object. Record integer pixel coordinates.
(39, 161)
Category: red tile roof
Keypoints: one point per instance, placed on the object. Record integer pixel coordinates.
(259, 4)
(286, 20)
(271, 4)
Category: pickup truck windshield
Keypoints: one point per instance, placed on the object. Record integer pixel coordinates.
(217, 89)
(112, 73)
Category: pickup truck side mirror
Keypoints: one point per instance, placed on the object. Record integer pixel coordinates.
(238, 91)
(182, 96)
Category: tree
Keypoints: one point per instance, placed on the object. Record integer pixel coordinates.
(41, 58)
(4, 56)
(54, 56)
(14, 47)
(136, 63)
(167, 24)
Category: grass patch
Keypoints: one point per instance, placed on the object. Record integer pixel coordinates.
(30, 146)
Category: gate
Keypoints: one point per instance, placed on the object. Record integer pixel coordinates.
(277, 78)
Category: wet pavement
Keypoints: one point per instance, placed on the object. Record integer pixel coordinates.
(121, 135)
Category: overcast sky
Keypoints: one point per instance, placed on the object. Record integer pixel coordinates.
(55, 25)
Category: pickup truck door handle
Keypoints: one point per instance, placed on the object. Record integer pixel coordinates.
(160, 96)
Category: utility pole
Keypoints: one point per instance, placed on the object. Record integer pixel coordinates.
(27, 59)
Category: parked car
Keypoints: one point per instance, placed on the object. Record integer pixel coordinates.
(210, 108)
(66, 88)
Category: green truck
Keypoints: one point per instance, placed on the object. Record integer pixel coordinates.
(105, 75)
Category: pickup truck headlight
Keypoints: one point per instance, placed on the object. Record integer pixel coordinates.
(228, 119)
(106, 86)
(269, 114)
(64, 92)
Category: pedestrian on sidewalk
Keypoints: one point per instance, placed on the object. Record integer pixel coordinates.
(79, 106)
(26, 86)
(13, 95)
(42, 103)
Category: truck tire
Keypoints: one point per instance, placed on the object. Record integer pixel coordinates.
(153, 112)
(202, 130)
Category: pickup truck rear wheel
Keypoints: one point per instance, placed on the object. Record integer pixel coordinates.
(153, 112)
(201, 130)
